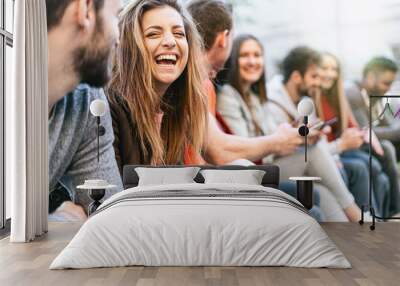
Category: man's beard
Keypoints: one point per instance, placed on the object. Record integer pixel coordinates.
(303, 91)
(309, 92)
(376, 91)
(92, 64)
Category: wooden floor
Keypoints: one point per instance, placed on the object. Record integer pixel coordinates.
(375, 257)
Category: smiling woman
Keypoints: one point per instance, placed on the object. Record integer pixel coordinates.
(167, 44)
(156, 93)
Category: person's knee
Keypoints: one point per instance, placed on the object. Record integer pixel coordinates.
(356, 168)
(353, 164)
(375, 166)
(364, 156)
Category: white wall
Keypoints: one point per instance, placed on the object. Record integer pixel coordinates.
(354, 30)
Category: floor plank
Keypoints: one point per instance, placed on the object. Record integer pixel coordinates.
(375, 257)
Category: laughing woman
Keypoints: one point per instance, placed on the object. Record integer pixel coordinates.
(156, 96)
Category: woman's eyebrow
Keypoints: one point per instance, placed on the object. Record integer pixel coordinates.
(153, 27)
(160, 28)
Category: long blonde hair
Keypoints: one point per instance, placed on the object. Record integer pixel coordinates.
(184, 104)
(337, 99)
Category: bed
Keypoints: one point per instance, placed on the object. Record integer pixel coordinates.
(201, 224)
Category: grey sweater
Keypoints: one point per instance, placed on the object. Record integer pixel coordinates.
(73, 145)
(237, 114)
(388, 127)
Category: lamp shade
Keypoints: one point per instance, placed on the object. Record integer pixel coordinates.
(305, 107)
(98, 107)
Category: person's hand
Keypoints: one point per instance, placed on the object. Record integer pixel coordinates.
(326, 130)
(351, 138)
(70, 212)
(288, 139)
(313, 136)
(376, 145)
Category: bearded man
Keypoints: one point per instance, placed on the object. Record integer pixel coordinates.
(81, 37)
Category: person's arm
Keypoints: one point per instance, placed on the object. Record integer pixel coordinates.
(360, 111)
(390, 132)
(352, 120)
(357, 106)
(221, 148)
(84, 164)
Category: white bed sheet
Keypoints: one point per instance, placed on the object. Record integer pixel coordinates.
(206, 231)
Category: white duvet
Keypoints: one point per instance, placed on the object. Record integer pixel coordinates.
(221, 225)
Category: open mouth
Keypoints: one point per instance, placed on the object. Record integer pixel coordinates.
(166, 60)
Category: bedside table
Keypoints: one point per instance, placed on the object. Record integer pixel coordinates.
(305, 190)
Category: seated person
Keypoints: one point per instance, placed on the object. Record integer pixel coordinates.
(346, 139)
(155, 126)
(378, 76)
(156, 113)
(214, 22)
(81, 36)
(240, 103)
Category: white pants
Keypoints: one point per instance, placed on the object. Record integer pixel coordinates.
(321, 164)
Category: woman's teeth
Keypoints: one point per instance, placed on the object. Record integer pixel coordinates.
(166, 59)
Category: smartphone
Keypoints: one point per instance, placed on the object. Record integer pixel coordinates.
(320, 125)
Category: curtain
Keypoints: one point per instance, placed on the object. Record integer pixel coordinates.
(27, 124)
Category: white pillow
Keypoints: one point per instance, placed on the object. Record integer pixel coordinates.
(166, 176)
(248, 177)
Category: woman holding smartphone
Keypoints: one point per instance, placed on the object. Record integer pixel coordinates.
(240, 104)
(346, 138)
